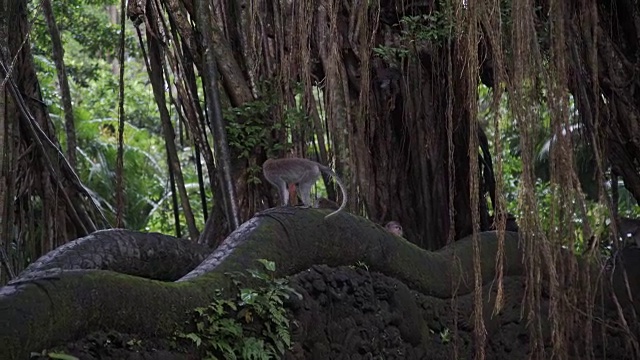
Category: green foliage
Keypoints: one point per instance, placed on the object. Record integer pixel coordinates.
(510, 145)
(445, 336)
(417, 31)
(391, 55)
(295, 116)
(87, 23)
(90, 39)
(144, 174)
(434, 27)
(97, 92)
(54, 355)
(248, 127)
(597, 215)
(253, 325)
(362, 265)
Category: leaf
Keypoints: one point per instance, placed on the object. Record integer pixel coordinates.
(194, 337)
(269, 265)
(248, 296)
(254, 349)
(225, 348)
(247, 315)
(62, 356)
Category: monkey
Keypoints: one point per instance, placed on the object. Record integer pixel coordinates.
(629, 230)
(394, 227)
(628, 236)
(324, 203)
(511, 223)
(305, 173)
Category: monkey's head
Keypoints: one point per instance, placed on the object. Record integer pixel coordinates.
(324, 203)
(394, 227)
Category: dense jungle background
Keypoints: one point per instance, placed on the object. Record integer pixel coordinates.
(453, 118)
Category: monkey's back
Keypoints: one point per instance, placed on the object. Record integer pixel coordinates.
(291, 170)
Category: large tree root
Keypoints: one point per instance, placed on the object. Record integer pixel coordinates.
(38, 312)
(149, 255)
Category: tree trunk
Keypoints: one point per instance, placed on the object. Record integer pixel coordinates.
(65, 92)
(603, 58)
(42, 197)
(157, 81)
(149, 255)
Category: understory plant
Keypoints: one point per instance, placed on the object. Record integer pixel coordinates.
(251, 325)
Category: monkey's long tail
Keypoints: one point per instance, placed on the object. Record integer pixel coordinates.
(342, 188)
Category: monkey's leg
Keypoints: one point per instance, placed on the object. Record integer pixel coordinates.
(305, 193)
(282, 189)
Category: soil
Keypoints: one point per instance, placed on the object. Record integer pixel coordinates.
(352, 313)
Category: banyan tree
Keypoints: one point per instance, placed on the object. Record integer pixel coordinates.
(387, 94)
